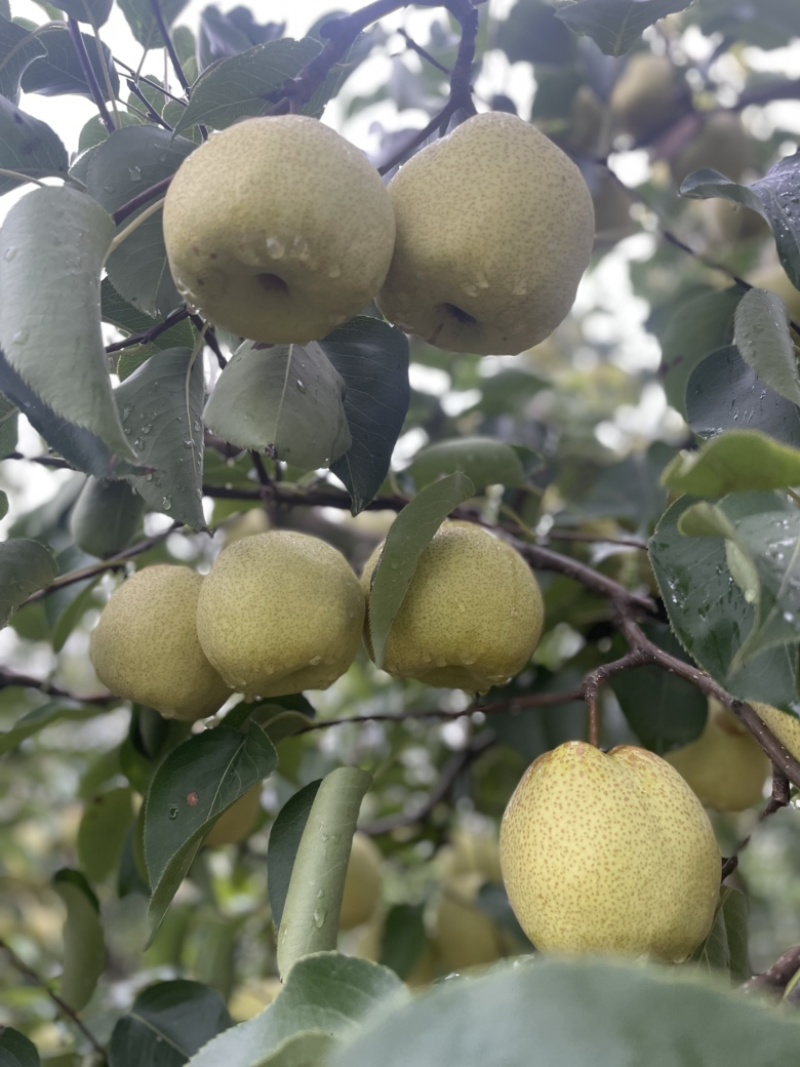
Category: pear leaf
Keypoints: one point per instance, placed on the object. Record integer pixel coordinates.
(764, 342)
(484, 460)
(16, 1050)
(616, 25)
(18, 49)
(28, 146)
(738, 461)
(25, 568)
(84, 943)
(144, 25)
(167, 1023)
(284, 840)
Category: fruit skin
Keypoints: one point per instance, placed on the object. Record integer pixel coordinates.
(145, 646)
(280, 612)
(362, 884)
(236, 824)
(278, 229)
(648, 96)
(472, 616)
(495, 227)
(785, 727)
(725, 766)
(464, 935)
(609, 853)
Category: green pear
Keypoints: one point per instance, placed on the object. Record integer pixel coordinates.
(648, 96)
(237, 823)
(280, 612)
(470, 852)
(725, 766)
(609, 853)
(145, 646)
(278, 229)
(472, 616)
(464, 935)
(363, 882)
(721, 143)
(494, 230)
(784, 726)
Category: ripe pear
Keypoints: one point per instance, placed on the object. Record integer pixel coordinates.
(362, 884)
(470, 852)
(494, 230)
(472, 616)
(609, 853)
(278, 229)
(145, 646)
(725, 766)
(236, 824)
(648, 96)
(280, 612)
(785, 727)
(464, 935)
(721, 143)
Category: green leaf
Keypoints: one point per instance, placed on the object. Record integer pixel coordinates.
(8, 427)
(16, 1050)
(403, 938)
(286, 399)
(616, 25)
(161, 407)
(54, 241)
(576, 1011)
(95, 12)
(484, 460)
(105, 517)
(18, 49)
(696, 327)
(310, 919)
(325, 994)
(194, 785)
(738, 461)
(130, 161)
(25, 568)
(284, 840)
(130, 320)
(60, 72)
(167, 1024)
(143, 23)
(28, 146)
(764, 342)
(84, 943)
(372, 358)
(102, 832)
(409, 536)
(34, 721)
(65, 607)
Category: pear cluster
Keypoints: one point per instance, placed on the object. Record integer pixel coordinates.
(279, 230)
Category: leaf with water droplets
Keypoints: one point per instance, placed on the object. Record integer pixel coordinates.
(18, 49)
(765, 343)
(698, 325)
(25, 568)
(616, 25)
(738, 461)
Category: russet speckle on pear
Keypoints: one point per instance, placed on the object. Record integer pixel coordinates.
(495, 227)
(145, 646)
(472, 616)
(609, 853)
(280, 612)
(278, 229)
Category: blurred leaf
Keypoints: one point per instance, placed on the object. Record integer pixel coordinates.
(403, 938)
(105, 517)
(723, 393)
(34, 721)
(324, 995)
(28, 146)
(95, 12)
(143, 23)
(8, 427)
(18, 48)
(105, 824)
(310, 919)
(533, 32)
(409, 536)
(161, 407)
(482, 459)
(737, 461)
(16, 1050)
(167, 1024)
(616, 25)
(193, 786)
(372, 358)
(225, 34)
(282, 398)
(84, 943)
(25, 568)
(60, 71)
(65, 607)
(284, 840)
(725, 948)
(696, 328)
(764, 342)
(59, 355)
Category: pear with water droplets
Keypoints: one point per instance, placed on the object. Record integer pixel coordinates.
(784, 726)
(609, 853)
(278, 229)
(280, 612)
(495, 227)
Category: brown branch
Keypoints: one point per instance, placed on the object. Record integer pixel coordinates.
(28, 972)
(163, 29)
(9, 679)
(556, 534)
(140, 200)
(778, 976)
(423, 53)
(79, 45)
(146, 336)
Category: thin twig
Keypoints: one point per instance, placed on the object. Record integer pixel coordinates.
(146, 336)
(157, 190)
(88, 72)
(412, 46)
(151, 111)
(25, 681)
(163, 29)
(210, 338)
(778, 976)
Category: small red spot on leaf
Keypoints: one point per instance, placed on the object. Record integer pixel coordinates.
(192, 799)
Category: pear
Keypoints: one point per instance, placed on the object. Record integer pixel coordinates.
(362, 884)
(784, 726)
(725, 766)
(464, 935)
(280, 612)
(145, 646)
(494, 230)
(609, 853)
(470, 852)
(278, 229)
(721, 143)
(472, 616)
(236, 824)
(648, 96)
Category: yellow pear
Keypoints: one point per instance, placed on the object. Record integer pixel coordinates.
(145, 646)
(252, 997)
(464, 935)
(280, 612)
(648, 96)
(278, 229)
(254, 521)
(236, 824)
(494, 230)
(609, 853)
(362, 884)
(721, 143)
(725, 766)
(472, 616)
(784, 726)
(470, 852)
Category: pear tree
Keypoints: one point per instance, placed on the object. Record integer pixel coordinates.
(399, 467)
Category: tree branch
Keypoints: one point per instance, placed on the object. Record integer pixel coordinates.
(146, 336)
(88, 72)
(9, 679)
(778, 976)
(163, 29)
